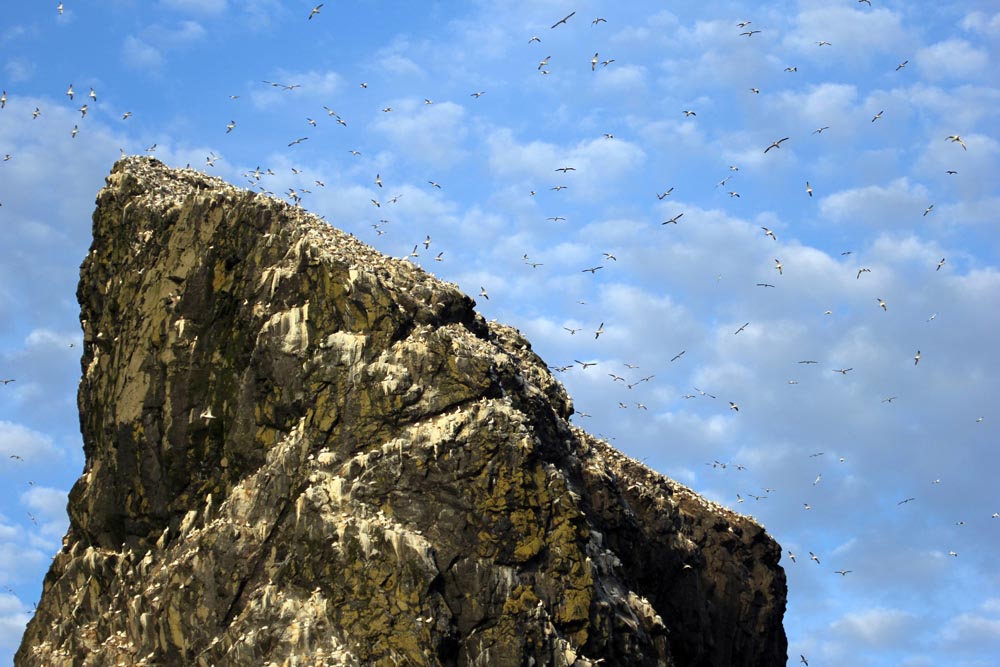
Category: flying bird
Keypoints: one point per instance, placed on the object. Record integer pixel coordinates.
(814, 557)
(768, 232)
(297, 141)
(563, 20)
(230, 125)
(916, 358)
(733, 406)
(878, 115)
(901, 65)
(593, 62)
(70, 92)
(928, 210)
(664, 195)
(860, 271)
(741, 328)
(881, 303)
(779, 266)
(954, 138)
(315, 10)
(673, 219)
(598, 20)
(819, 130)
(776, 144)
(843, 371)
(678, 355)
(599, 331)
(482, 293)
(809, 190)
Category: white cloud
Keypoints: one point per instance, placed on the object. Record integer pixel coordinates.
(19, 69)
(138, 54)
(981, 22)
(598, 164)
(45, 502)
(818, 105)
(625, 77)
(979, 628)
(877, 628)
(312, 85)
(900, 203)
(952, 59)
(32, 446)
(432, 133)
(13, 619)
(855, 33)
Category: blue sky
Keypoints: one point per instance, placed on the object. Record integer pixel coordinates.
(187, 69)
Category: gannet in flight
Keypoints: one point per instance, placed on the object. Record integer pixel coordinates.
(776, 144)
(563, 20)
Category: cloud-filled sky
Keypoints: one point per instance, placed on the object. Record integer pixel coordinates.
(882, 188)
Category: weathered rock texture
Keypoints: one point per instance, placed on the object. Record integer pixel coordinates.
(302, 452)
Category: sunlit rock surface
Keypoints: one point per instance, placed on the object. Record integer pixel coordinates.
(302, 452)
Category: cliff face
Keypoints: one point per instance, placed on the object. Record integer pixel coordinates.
(300, 451)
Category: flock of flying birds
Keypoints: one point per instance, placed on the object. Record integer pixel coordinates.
(296, 195)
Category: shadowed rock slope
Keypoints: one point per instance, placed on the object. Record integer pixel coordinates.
(302, 452)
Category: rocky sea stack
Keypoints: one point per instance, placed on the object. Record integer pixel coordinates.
(302, 452)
